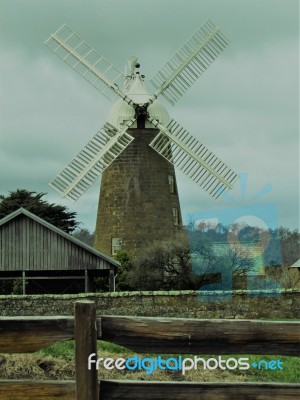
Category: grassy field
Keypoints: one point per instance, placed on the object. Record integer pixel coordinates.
(57, 362)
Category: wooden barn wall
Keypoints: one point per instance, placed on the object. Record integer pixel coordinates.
(28, 245)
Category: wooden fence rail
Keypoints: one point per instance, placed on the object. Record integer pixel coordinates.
(146, 335)
(167, 335)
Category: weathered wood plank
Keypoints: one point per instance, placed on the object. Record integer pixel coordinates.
(140, 390)
(36, 390)
(192, 336)
(174, 335)
(85, 344)
(27, 334)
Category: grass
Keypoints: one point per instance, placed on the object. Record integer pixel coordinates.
(57, 362)
(64, 350)
(290, 373)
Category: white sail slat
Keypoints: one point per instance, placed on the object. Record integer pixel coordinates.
(189, 62)
(84, 169)
(185, 152)
(98, 71)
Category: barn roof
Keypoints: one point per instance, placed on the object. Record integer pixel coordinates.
(296, 264)
(61, 233)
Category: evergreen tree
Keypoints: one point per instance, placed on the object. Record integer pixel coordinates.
(55, 214)
(85, 236)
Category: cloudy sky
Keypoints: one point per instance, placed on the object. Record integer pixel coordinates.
(245, 107)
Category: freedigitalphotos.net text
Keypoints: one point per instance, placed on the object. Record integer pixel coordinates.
(172, 363)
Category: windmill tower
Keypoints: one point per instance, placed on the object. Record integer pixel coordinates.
(139, 145)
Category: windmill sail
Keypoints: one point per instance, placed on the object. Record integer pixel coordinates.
(173, 142)
(189, 62)
(194, 159)
(87, 62)
(92, 160)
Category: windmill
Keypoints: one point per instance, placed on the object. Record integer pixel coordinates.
(139, 145)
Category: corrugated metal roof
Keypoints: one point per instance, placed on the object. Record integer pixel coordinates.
(58, 231)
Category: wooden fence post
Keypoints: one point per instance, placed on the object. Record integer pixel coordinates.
(85, 334)
(111, 280)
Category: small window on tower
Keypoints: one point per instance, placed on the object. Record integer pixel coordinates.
(175, 216)
(171, 183)
(116, 244)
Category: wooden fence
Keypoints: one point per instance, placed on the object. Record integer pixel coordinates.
(146, 335)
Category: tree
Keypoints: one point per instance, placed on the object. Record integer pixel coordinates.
(123, 281)
(164, 266)
(55, 214)
(288, 278)
(172, 266)
(290, 244)
(85, 236)
(219, 263)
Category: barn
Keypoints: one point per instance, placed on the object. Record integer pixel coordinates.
(36, 257)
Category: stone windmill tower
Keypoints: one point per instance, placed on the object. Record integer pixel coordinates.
(139, 145)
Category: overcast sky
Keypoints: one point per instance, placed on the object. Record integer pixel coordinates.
(245, 107)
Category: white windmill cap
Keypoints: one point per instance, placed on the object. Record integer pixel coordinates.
(136, 90)
(121, 111)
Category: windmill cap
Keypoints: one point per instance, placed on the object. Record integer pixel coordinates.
(136, 90)
(121, 111)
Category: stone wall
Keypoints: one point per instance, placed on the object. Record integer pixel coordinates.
(281, 304)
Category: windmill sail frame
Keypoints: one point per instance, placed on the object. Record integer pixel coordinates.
(189, 62)
(180, 148)
(93, 67)
(172, 142)
(91, 161)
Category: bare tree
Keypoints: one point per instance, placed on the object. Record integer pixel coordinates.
(164, 266)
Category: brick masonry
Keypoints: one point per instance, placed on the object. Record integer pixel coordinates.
(135, 202)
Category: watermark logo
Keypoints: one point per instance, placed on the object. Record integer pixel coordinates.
(240, 242)
(268, 365)
(179, 363)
